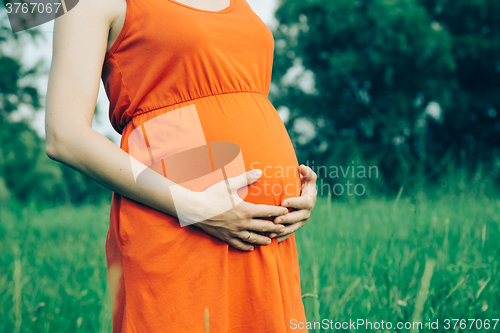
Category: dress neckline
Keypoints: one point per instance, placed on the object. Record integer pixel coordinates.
(231, 6)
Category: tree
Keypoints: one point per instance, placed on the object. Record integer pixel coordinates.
(389, 82)
(26, 173)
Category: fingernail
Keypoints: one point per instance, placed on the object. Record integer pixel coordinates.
(285, 203)
(280, 220)
(272, 235)
(282, 230)
(257, 172)
(268, 241)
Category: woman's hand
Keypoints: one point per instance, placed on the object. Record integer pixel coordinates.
(301, 206)
(242, 225)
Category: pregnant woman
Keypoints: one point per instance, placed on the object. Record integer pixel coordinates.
(180, 77)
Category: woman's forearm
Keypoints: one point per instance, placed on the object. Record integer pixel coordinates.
(92, 154)
(79, 47)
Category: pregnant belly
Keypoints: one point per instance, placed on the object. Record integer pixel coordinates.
(184, 140)
(163, 262)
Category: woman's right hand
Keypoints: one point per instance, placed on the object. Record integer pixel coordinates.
(243, 225)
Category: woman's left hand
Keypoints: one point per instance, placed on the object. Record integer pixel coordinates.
(300, 207)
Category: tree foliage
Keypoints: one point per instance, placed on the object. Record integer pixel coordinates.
(408, 85)
(26, 173)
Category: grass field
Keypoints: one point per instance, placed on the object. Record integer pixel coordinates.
(396, 261)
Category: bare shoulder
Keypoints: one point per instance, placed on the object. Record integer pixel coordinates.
(92, 18)
(81, 38)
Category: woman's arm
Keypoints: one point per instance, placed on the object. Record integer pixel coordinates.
(80, 44)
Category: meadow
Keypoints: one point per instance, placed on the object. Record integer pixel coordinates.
(397, 260)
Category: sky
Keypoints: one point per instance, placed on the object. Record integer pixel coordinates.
(41, 50)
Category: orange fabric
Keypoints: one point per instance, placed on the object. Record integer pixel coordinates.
(164, 277)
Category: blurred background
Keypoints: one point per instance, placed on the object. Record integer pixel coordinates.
(394, 103)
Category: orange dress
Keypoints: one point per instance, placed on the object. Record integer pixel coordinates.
(164, 277)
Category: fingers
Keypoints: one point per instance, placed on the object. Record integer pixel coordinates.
(307, 173)
(233, 241)
(265, 210)
(302, 202)
(252, 234)
(294, 217)
(308, 180)
(254, 238)
(254, 230)
(289, 229)
(262, 226)
(258, 227)
(244, 179)
(308, 193)
(282, 238)
(240, 245)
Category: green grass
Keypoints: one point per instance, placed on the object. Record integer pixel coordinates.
(53, 270)
(359, 260)
(366, 261)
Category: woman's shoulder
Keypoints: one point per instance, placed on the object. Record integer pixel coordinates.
(87, 28)
(95, 13)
